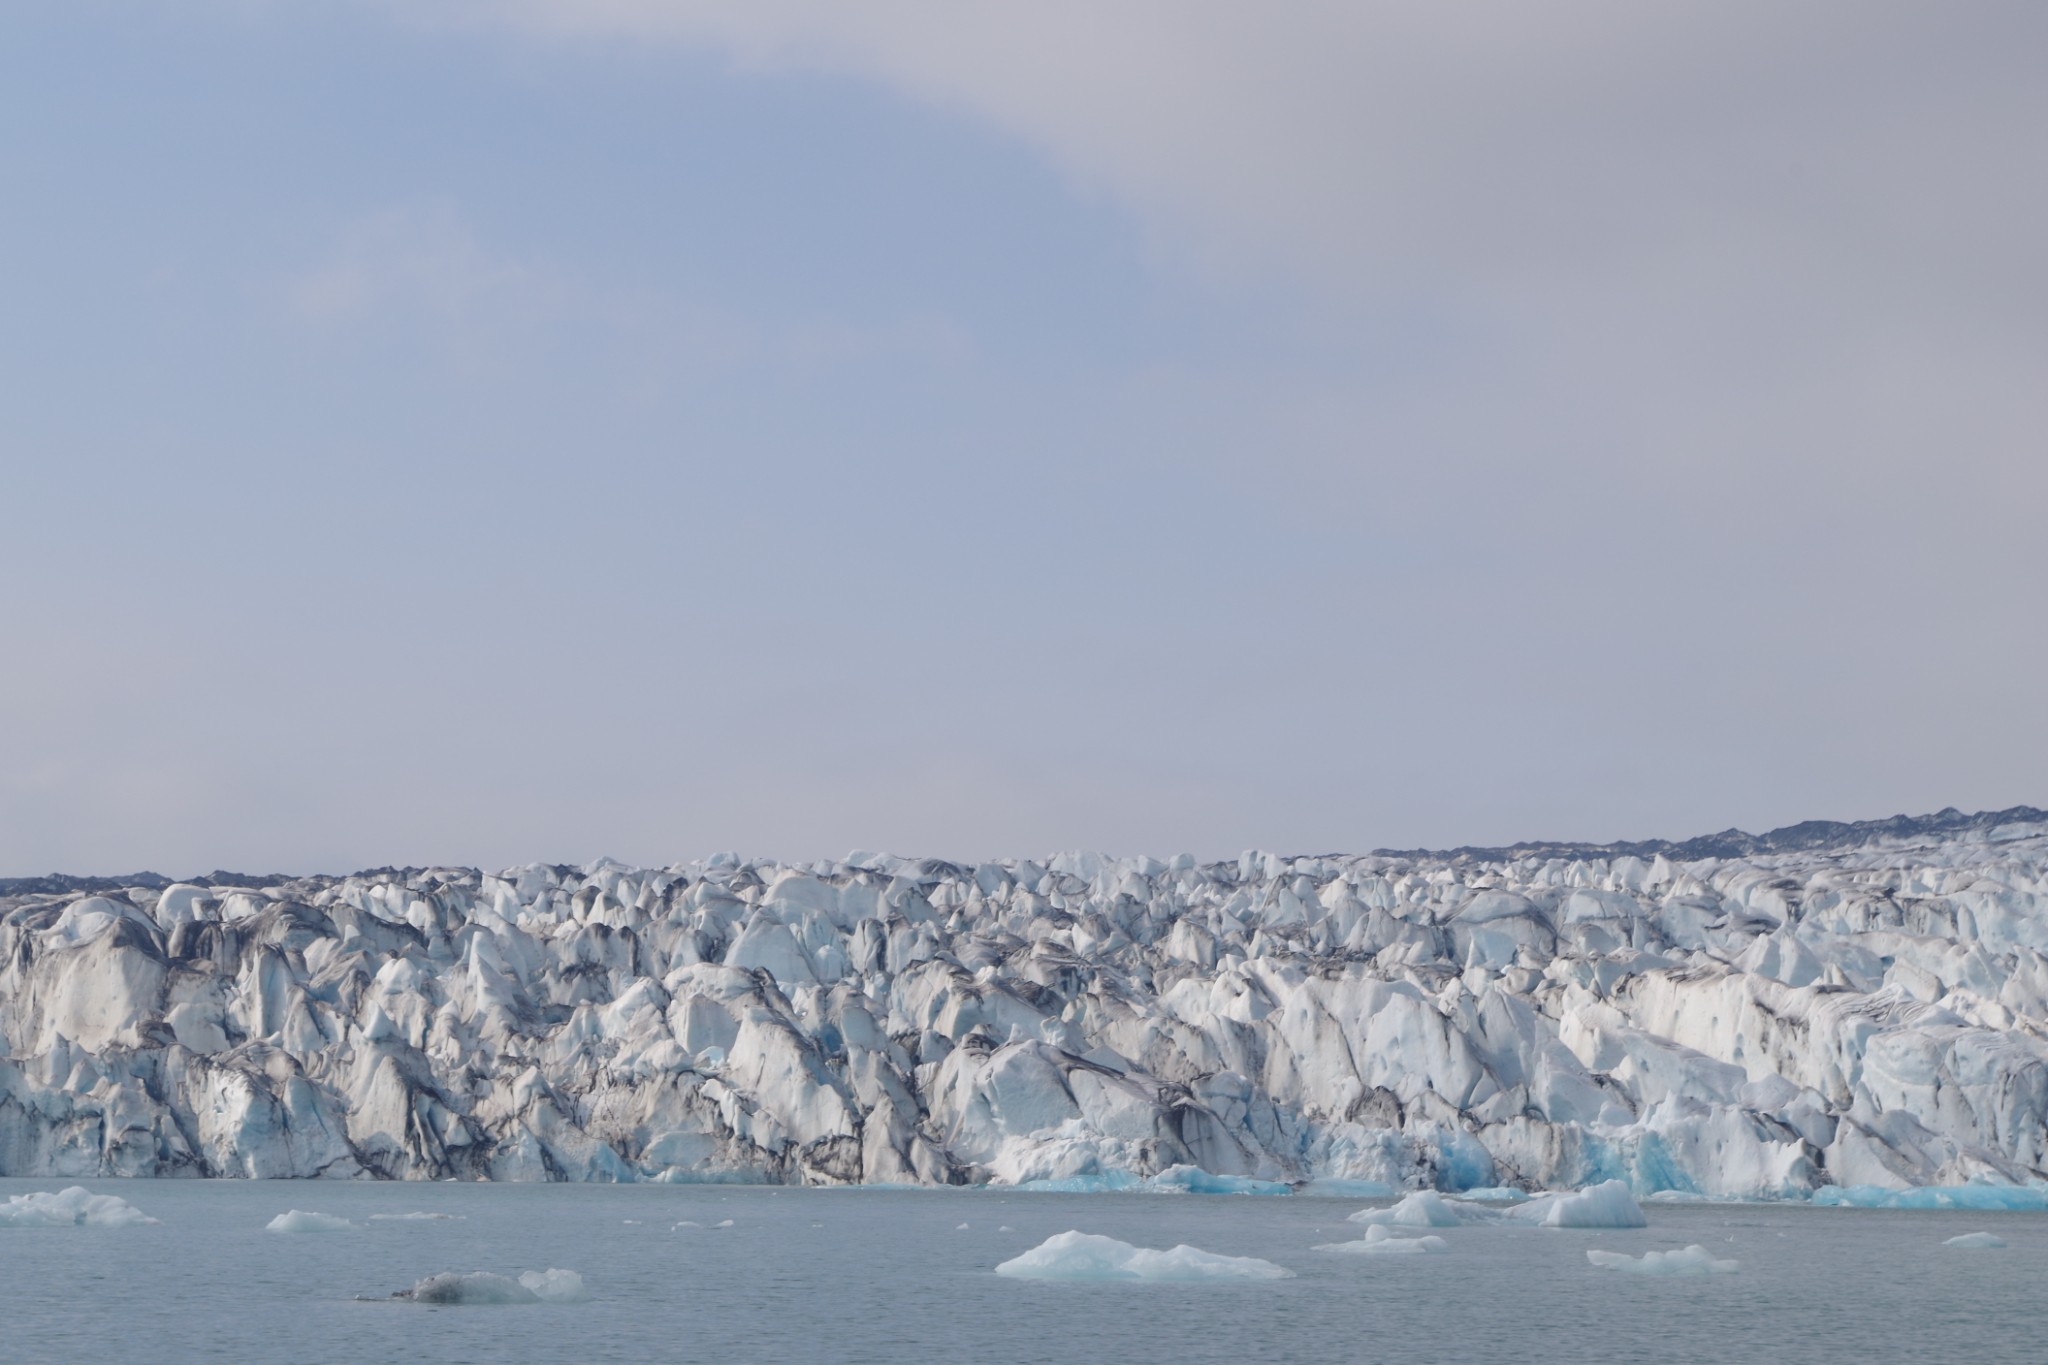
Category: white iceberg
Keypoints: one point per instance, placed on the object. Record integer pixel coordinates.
(416, 1217)
(481, 1287)
(1423, 1209)
(298, 1220)
(1606, 1205)
(1975, 1241)
(1692, 1260)
(554, 1286)
(73, 1207)
(1379, 1240)
(1087, 1256)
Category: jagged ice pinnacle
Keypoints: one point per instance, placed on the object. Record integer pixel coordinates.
(1852, 1005)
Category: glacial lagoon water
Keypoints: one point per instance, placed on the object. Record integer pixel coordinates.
(882, 1275)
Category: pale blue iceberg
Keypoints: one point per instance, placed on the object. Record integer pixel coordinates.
(74, 1207)
(1606, 1205)
(1982, 1198)
(1422, 1209)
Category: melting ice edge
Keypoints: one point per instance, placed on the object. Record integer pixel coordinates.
(1745, 1016)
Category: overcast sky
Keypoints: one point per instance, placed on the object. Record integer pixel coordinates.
(478, 432)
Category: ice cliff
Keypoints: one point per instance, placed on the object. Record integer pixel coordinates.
(1743, 1015)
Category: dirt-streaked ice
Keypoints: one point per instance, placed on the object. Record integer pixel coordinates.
(1741, 1016)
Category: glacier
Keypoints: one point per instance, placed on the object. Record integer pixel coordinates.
(1859, 1011)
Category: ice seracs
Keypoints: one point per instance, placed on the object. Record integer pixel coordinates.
(1819, 1009)
(1089, 1256)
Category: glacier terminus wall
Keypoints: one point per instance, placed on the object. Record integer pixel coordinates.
(1746, 1016)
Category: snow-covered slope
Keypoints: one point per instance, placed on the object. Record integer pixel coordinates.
(1744, 1015)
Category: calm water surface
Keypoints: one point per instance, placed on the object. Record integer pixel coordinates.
(889, 1275)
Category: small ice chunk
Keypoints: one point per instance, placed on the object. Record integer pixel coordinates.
(75, 1207)
(1607, 1205)
(1494, 1194)
(686, 1223)
(416, 1217)
(1975, 1241)
(478, 1287)
(475, 1287)
(1692, 1260)
(723, 1223)
(961, 1228)
(1422, 1209)
(1379, 1240)
(554, 1286)
(1006, 1228)
(1088, 1256)
(298, 1220)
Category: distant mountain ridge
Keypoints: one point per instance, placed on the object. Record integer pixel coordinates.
(1805, 837)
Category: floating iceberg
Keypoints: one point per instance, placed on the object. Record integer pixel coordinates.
(74, 1207)
(416, 1217)
(298, 1220)
(1087, 1256)
(554, 1286)
(1379, 1240)
(481, 1287)
(1423, 1209)
(1692, 1260)
(1606, 1205)
(1975, 1241)
(1493, 1194)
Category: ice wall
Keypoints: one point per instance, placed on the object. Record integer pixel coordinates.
(1758, 1019)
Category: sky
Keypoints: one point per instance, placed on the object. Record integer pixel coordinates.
(459, 432)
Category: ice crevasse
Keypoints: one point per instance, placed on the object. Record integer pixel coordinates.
(1823, 1008)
